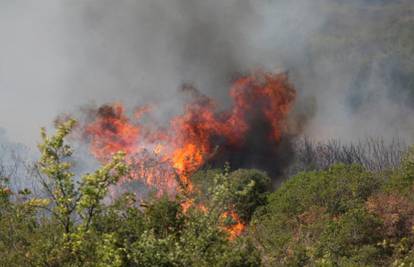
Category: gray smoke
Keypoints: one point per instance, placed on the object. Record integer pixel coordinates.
(58, 55)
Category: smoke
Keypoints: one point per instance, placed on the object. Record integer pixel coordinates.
(360, 62)
(349, 61)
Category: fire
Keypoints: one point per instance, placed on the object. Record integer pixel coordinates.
(166, 157)
(112, 131)
(237, 227)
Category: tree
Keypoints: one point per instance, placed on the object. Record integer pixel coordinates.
(73, 205)
(81, 230)
(196, 237)
(319, 217)
(246, 189)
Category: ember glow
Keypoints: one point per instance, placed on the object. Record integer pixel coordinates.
(166, 156)
(235, 229)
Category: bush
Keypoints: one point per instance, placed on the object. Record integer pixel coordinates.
(319, 217)
(338, 189)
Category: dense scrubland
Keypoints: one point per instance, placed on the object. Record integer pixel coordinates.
(338, 204)
(357, 209)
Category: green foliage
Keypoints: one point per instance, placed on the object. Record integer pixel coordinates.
(319, 217)
(408, 165)
(353, 237)
(247, 189)
(164, 217)
(402, 180)
(78, 229)
(86, 199)
(342, 216)
(94, 187)
(338, 189)
(250, 191)
(53, 163)
(173, 238)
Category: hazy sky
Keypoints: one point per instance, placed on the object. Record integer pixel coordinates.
(57, 55)
(32, 66)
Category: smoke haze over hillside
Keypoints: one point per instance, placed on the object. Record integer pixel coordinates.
(349, 71)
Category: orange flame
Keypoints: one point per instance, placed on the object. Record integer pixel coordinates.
(167, 157)
(236, 228)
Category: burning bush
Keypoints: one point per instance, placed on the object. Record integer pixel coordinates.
(202, 134)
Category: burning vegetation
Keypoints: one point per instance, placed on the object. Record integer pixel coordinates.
(200, 135)
(165, 157)
(248, 181)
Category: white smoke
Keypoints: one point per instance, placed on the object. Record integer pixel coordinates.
(57, 55)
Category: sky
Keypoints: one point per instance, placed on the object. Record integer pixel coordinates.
(57, 56)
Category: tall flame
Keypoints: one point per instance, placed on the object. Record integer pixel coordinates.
(161, 155)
